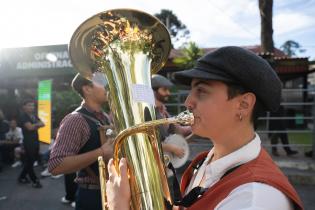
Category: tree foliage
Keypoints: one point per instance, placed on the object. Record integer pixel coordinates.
(191, 52)
(63, 103)
(177, 30)
(290, 47)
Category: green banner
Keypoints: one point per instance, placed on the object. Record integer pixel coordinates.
(44, 90)
(44, 109)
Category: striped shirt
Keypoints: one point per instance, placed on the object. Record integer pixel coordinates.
(72, 135)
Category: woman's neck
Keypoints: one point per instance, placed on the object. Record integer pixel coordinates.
(232, 142)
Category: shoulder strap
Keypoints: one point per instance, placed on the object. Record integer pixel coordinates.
(189, 171)
(198, 191)
(102, 131)
(101, 128)
(97, 122)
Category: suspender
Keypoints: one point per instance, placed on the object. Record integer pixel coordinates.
(196, 192)
(102, 131)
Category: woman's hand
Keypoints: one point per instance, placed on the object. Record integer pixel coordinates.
(117, 187)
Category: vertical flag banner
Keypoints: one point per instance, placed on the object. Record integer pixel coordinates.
(44, 109)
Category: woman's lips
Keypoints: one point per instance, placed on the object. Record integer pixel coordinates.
(196, 119)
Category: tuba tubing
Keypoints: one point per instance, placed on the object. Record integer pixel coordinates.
(184, 118)
(126, 46)
(102, 174)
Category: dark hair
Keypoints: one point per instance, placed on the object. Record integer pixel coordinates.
(78, 82)
(13, 119)
(235, 90)
(27, 101)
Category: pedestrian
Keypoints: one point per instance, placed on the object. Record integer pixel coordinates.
(4, 128)
(30, 124)
(278, 128)
(161, 88)
(14, 138)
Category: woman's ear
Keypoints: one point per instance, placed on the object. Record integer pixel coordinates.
(247, 103)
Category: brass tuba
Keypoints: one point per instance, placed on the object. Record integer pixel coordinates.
(127, 46)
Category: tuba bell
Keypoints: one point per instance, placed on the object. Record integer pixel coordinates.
(127, 46)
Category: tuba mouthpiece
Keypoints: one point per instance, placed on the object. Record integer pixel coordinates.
(185, 118)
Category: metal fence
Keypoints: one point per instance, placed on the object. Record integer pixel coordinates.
(299, 117)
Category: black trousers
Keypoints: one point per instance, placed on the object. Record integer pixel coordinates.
(284, 140)
(88, 199)
(70, 186)
(29, 157)
(0, 162)
(7, 152)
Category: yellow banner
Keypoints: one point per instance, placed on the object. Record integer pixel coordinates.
(44, 110)
(44, 113)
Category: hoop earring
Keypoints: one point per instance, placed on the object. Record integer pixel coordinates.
(240, 117)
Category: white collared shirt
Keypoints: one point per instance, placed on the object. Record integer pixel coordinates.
(254, 195)
(15, 134)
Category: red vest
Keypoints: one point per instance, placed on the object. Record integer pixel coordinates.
(262, 169)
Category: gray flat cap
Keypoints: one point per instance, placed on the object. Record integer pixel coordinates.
(239, 66)
(158, 81)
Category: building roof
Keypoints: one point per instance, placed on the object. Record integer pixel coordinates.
(283, 64)
(254, 48)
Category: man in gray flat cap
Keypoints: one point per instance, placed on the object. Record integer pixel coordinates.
(230, 87)
(161, 88)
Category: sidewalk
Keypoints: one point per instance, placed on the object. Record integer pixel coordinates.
(298, 168)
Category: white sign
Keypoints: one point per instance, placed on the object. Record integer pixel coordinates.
(42, 61)
(142, 93)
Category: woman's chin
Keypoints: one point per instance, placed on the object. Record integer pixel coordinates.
(195, 130)
(200, 132)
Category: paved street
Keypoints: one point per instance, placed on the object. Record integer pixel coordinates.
(24, 197)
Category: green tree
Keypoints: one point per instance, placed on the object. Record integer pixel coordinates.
(191, 52)
(63, 103)
(290, 47)
(177, 29)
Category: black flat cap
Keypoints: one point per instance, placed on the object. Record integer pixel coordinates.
(243, 67)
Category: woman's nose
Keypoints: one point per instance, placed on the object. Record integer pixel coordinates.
(188, 102)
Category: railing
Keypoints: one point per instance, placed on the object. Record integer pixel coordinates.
(307, 117)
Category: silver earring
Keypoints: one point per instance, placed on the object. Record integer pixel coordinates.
(240, 116)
